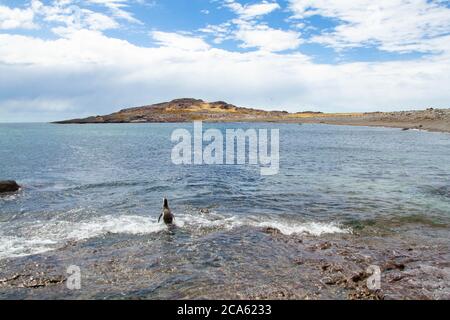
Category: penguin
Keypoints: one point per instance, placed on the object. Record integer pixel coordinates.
(166, 214)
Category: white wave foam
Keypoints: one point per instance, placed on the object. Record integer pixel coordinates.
(285, 227)
(312, 228)
(124, 224)
(45, 236)
(18, 246)
(40, 237)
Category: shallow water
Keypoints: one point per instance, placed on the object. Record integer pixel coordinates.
(81, 182)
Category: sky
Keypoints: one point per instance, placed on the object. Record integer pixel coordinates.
(63, 59)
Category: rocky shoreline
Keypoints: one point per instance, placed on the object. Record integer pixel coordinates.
(307, 267)
(435, 120)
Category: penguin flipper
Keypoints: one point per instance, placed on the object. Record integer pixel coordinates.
(159, 219)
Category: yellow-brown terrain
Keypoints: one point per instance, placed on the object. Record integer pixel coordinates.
(188, 110)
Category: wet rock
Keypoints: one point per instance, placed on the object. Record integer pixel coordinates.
(337, 268)
(397, 277)
(38, 283)
(339, 279)
(6, 280)
(325, 267)
(365, 294)
(8, 186)
(391, 265)
(359, 276)
(272, 231)
(329, 281)
(325, 246)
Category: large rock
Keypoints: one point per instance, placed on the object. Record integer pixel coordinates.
(8, 186)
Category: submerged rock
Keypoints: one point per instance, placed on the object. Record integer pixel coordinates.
(392, 265)
(8, 186)
(272, 231)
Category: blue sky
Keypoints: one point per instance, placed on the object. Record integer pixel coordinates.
(70, 58)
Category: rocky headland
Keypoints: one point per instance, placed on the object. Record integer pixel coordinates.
(182, 110)
(188, 110)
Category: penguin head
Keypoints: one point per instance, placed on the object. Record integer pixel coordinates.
(165, 203)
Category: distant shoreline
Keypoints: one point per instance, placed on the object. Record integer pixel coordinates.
(431, 127)
(188, 110)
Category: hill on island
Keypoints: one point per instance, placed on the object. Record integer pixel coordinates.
(188, 110)
(184, 110)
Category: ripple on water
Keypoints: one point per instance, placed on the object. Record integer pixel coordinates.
(443, 191)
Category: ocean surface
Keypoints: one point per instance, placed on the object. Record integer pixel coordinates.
(87, 181)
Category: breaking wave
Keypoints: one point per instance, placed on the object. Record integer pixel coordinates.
(40, 237)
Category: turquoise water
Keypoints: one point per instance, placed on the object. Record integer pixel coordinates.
(84, 181)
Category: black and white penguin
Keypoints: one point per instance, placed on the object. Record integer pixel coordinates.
(166, 214)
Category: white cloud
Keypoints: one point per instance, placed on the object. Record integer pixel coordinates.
(251, 32)
(99, 21)
(63, 14)
(85, 72)
(179, 41)
(72, 13)
(89, 73)
(253, 10)
(267, 39)
(392, 25)
(13, 18)
(117, 7)
(37, 104)
(220, 32)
